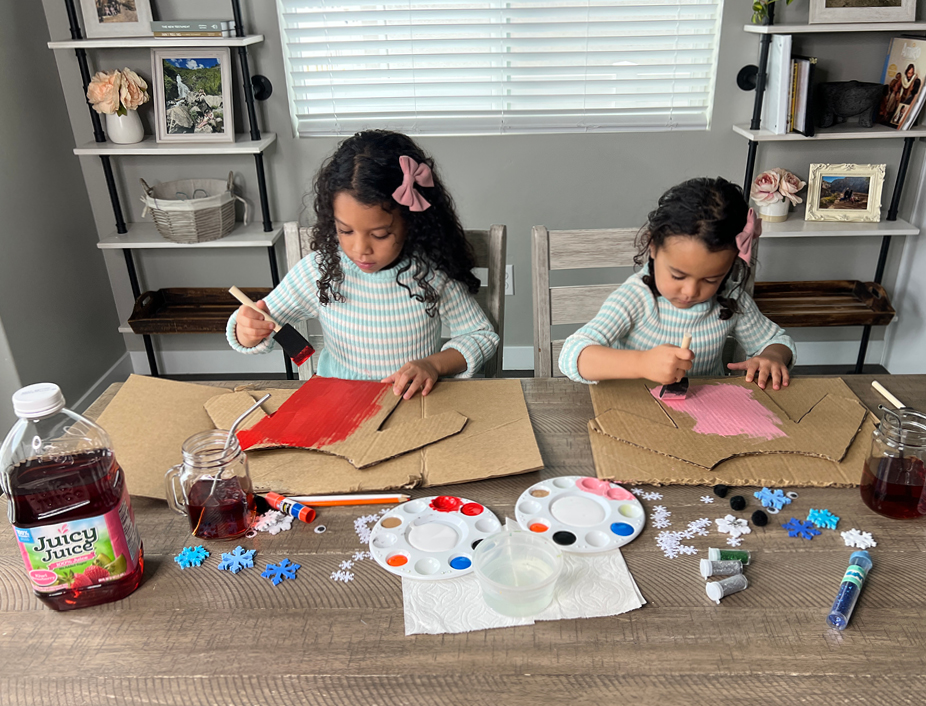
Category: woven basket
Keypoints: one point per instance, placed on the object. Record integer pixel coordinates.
(193, 210)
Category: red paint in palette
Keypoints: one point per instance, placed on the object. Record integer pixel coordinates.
(322, 412)
(446, 503)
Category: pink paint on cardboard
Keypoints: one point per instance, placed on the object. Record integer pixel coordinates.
(727, 410)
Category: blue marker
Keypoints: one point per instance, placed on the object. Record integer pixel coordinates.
(849, 590)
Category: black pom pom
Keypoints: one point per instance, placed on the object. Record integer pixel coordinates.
(737, 502)
(721, 491)
(759, 518)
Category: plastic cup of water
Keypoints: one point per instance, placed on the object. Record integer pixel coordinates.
(517, 572)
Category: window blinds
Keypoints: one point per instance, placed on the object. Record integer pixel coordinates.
(439, 67)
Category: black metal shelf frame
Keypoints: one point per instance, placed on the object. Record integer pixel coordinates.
(99, 136)
(755, 124)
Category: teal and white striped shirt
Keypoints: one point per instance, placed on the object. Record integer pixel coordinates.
(633, 319)
(378, 327)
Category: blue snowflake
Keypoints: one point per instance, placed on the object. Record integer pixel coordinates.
(796, 528)
(236, 560)
(772, 498)
(277, 572)
(191, 556)
(823, 518)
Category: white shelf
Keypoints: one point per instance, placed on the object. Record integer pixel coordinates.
(145, 236)
(243, 144)
(797, 227)
(844, 131)
(130, 42)
(847, 27)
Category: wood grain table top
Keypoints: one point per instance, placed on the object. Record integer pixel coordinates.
(199, 636)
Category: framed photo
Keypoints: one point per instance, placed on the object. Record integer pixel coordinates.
(844, 192)
(192, 95)
(116, 18)
(840, 11)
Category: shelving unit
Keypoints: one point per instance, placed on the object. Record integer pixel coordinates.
(820, 312)
(129, 237)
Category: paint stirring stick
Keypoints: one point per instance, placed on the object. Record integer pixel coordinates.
(335, 500)
(293, 342)
(887, 395)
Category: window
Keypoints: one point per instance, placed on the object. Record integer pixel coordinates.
(439, 67)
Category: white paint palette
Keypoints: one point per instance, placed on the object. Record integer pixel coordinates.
(581, 514)
(431, 538)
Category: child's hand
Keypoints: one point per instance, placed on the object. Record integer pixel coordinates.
(666, 364)
(413, 376)
(762, 368)
(250, 327)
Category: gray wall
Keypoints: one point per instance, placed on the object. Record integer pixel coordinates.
(56, 306)
(575, 181)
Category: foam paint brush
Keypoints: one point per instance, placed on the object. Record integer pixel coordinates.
(290, 340)
(677, 390)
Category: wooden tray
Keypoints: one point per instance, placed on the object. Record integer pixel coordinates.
(824, 303)
(187, 310)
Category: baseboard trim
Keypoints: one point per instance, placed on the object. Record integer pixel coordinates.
(119, 371)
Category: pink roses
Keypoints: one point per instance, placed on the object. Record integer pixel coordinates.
(117, 91)
(776, 185)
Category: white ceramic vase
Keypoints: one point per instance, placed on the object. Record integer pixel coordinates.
(124, 129)
(774, 212)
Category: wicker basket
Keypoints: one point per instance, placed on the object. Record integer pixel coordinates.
(193, 210)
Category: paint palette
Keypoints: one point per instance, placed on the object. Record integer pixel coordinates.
(431, 538)
(581, 514)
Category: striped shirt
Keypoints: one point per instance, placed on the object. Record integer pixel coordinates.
(378, 327)
(633, 319)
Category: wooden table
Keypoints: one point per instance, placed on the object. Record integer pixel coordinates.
(204, 637)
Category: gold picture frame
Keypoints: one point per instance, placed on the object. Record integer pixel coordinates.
(849, 193)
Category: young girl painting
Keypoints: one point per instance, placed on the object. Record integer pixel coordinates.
(390, 264)
(695, 252)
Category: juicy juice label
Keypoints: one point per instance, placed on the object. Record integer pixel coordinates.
(81, 553)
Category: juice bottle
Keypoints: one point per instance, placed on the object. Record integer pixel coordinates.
(68, 504)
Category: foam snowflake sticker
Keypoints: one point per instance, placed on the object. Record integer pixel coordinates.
(277, 572)
(707, 499)
(797, 528)
(734, 541)
(637, 491)
(191, 556)
(273, 522)
(652, 496)
(857, 538)
(236, 560)
(823, 518)
(772, 498)
(344, 576)
(732, 525)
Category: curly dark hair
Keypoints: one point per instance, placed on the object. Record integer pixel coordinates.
(366, 166)
(712, 210)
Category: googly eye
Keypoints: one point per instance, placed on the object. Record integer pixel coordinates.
(320, 529)
(251, 533)
(793, 495)
(772, 510)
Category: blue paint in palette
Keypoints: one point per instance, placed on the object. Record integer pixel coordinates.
(622, 529)
(460, 562)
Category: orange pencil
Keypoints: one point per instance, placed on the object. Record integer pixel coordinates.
(333, 500)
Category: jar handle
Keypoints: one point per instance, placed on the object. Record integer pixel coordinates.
(173, 502)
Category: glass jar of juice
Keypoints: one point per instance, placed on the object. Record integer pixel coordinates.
(894, 475)
(68, 504)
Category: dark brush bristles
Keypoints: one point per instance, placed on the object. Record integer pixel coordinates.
(294, 344)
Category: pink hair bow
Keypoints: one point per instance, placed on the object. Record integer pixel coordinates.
(745, 239)
(413, 173)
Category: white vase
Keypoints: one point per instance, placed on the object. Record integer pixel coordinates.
(124, 129)
(774, 212)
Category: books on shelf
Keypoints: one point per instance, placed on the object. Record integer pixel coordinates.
(903, 78)
(222, 33)
(192, 25)
(802, 103)
(776, 104)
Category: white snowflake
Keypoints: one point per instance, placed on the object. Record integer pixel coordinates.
(671, 544)
(273, 522)
(687, 549)
(734, 541)
(857, 538)
(362, 527)
(360, 556)
(637, 491)
(652, 496)
(699, 527)
(660, 515)
(346, 564)
(344, 576)
(732, 526)
(660, 509)
(661, 523)
(707, 499)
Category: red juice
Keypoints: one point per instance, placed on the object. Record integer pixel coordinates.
(220, 509)
(894, 486)
(74, 522)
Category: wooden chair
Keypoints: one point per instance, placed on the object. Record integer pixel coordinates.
(490, 249)
(554, 250)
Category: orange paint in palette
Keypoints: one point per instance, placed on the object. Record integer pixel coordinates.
(538, 527)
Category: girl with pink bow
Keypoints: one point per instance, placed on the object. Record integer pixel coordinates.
(390, 265)
(695, 254)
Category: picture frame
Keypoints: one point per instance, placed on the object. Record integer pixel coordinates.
(845, 11)
(845, 192)
(116, 18)
(192, 92)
